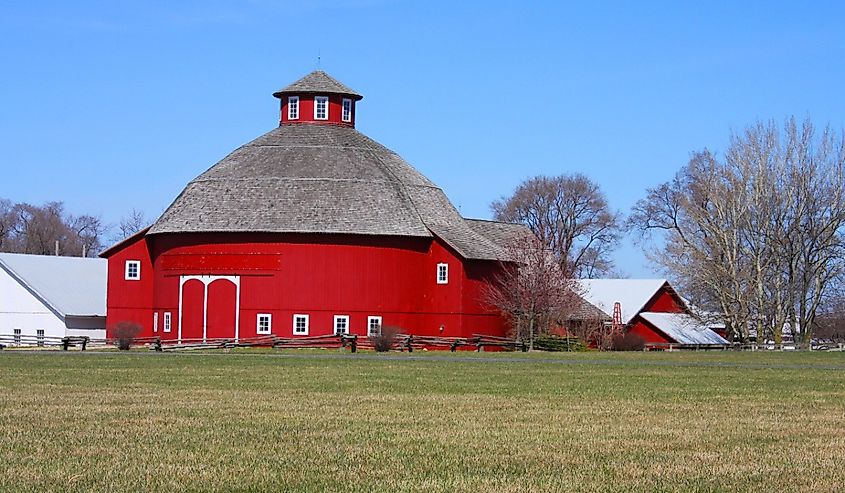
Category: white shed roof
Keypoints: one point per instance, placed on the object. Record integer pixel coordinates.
(72, 286)
(631, 294)
(683, 328)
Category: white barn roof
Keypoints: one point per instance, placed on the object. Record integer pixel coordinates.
(70, 286)
(683, 328)
(631, 294)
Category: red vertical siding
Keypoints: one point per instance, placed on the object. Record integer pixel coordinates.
(320, 275)
(130, 300)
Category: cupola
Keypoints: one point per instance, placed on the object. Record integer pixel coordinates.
(317, 98)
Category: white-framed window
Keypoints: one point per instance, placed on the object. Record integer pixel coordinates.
(16, 332)
(346, 115)
(321, 108)
(442, 273)
(155, 321)
(300, 324)
(293, 107)
(167, 321)
(263, 323)
(133, 270)
(341, 324)
(373, 326)
(39, 336)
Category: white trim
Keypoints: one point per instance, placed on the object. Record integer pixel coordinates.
(293, 115)
(346, 110)
(137, 265)
(206, 280)
(293, 328)
(321, 98)
(258, 318)
(155, 322)
(167, 322)
(345, 318)
(444, 279)
(370, 320)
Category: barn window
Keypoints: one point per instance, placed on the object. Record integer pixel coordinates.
(442, 273)
(155, 321)
(347, 110)
(263, 323)
(167, 321)
(321, 108)
(293, 108)
(133, 270)
(17, 335)
(341, 324)
(39, 336)
(373, 326)
(300, 325)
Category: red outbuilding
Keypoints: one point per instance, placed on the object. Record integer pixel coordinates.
(311, 229)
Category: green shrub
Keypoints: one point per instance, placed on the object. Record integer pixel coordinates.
(559, 343)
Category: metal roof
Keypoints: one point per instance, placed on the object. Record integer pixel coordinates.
(69, 286)
(631, 294)
(683, 328)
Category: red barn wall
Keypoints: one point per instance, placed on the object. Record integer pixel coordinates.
(320, 275)
(646, 331)
(664, 302)
(130, 300)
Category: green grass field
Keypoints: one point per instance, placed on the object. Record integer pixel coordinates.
(320, 421)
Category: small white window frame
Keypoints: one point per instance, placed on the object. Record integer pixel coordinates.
(370, 320)
(307, 324)
(317, 100)
(127, 267)
(442, 268)
(167, 322)
(293, 107)
(155, 322)
(258, 319)
(346, 112)
(345, 319)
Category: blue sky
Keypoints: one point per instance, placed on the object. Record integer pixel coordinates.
(118, 104)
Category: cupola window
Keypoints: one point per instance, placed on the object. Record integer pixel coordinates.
(347, 110)
(321, 108)
(293, 108)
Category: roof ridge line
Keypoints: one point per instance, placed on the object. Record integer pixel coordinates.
(27, 286)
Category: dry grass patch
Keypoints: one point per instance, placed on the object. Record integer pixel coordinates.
(257, 422)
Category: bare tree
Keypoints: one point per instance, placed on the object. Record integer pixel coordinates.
(532, 290)
(131, 223)
(757, 237)
(48, 230)
(570, 215)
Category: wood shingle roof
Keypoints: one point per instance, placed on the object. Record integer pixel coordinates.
(322, 179)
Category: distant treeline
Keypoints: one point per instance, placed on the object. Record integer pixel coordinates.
(49, 230)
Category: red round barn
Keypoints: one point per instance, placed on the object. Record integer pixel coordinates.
(311, 229)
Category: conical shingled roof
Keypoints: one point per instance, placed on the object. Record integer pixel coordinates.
(318, 82)
(321, 179)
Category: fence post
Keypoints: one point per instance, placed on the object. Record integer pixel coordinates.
(454, 346)
(353, 346)
(408, 343)
(84, 342)
(157, 344)
(65, 343)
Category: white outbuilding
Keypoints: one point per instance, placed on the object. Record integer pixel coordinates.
(49, 296)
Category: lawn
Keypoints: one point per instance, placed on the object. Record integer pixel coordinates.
(324, 421)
